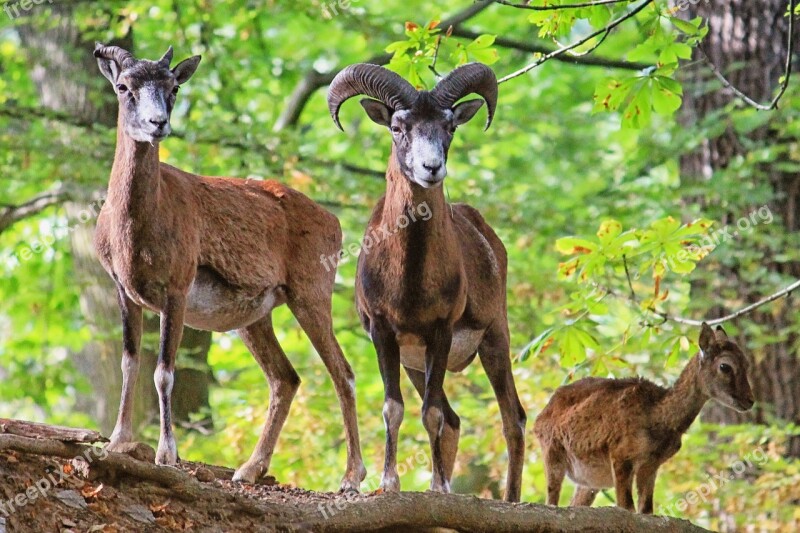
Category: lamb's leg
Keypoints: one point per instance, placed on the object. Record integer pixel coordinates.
(437, 349)
(623, 483)
(584, 496)
(171, 333)
(389, 363)
(315, 319)
(496, 360)
(283, 384)
(452, 424)
(645, 486)
(131, 339)
(555, 469)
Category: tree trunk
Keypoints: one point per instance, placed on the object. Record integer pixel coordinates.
(752, 36)
(66, 75)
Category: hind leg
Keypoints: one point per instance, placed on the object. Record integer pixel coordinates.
(496, 360)
(283, 384)
(452, 425)
(315, 319)
(555, 469)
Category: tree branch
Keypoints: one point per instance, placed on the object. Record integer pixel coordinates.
(406, 511)
(786, 75)
(534, 48)
(787, 291)
(563, 6)
(11, 214)
(564, 49)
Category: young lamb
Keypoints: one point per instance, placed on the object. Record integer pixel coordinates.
(603, 432)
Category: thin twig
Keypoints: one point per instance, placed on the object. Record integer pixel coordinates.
(628, 275)
(432, 66)
(743, 311)
(592, 49)
(563, 6)
(630, 14)
(786, 76)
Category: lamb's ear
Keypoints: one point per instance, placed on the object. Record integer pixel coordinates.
(706, 338)
(463, 112)
(185, 69)
(720, 334)
(378, 112)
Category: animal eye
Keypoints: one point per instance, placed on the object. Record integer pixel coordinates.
(453, 129)
(396, 130)
(176, 89)
(122, 89)
(725, 368)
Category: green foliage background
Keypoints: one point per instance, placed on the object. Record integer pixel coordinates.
(574, 149)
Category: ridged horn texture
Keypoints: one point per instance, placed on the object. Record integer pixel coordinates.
(122, 57)
(373, 81)
(166, 59)
(467, 79)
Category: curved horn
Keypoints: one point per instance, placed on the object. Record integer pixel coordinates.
(122, 57)
(467, 79)
(166, 59)
(370, 80)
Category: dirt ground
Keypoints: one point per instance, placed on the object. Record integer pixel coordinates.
(75, 504)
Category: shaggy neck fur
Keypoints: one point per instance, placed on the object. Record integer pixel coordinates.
(684, 400)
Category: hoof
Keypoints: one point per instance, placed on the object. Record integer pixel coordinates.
(249, 473)
(390, 484)
(137, 450)
(167, 455)
(351, 482)
(444, 488)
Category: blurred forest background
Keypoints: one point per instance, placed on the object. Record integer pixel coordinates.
(628, 182)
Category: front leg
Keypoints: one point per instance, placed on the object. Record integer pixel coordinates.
(438, 344)
(385, 340)
(131, 340)
(171, 333)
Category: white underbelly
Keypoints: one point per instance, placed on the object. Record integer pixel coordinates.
(595, 475)
(216, 307)
(465, 344)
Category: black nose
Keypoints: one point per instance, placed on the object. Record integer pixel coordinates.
(432, 168)
(159, 123)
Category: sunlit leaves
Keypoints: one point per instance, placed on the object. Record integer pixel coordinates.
(427, 48)
(637, 97)
(615, 262)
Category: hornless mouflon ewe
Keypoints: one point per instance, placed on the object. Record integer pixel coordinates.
(432, 294)
(214, 253)
(604, 432)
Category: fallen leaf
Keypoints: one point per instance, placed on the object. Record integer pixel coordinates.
(160, 508)
(90, 492)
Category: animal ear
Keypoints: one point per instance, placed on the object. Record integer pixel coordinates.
(720, 334)
(464, 111)
(109, 68)
(185, 69)
(707, 338)
(377, 111)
